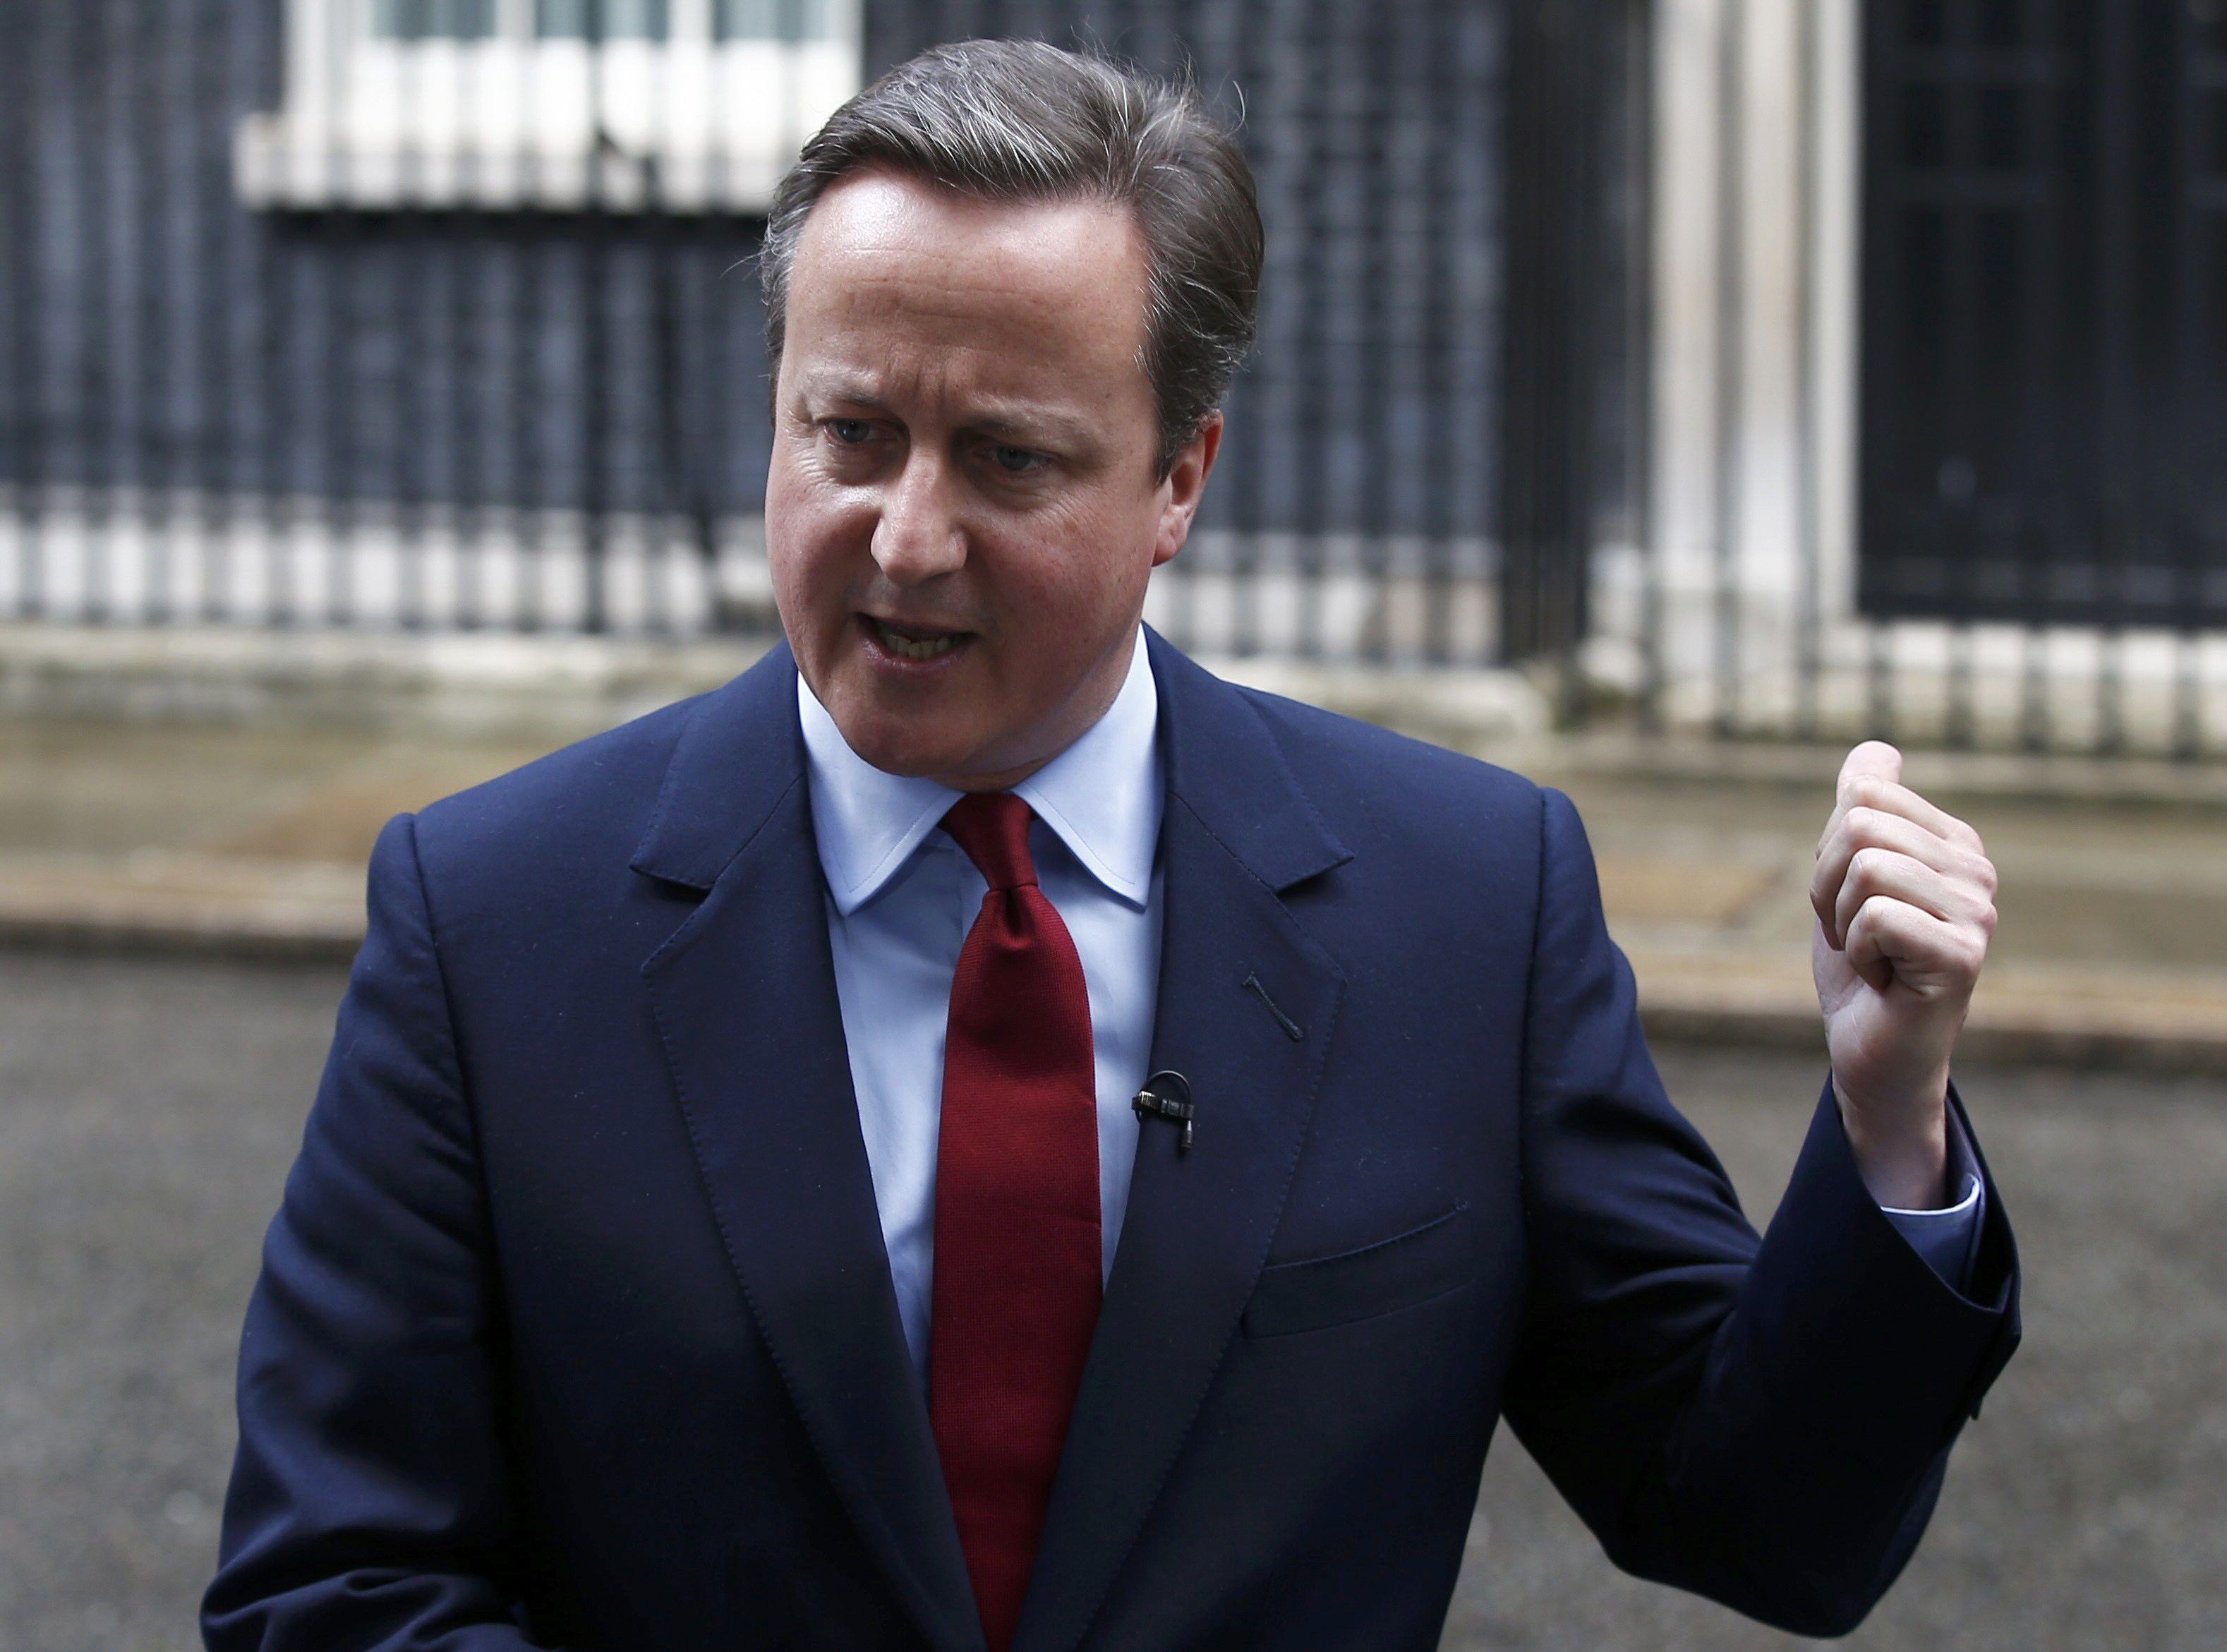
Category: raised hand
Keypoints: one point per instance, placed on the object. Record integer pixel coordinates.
(1905, 897)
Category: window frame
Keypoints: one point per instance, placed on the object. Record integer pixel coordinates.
(525, 122)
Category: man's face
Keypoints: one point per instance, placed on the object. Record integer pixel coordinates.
(961, 512)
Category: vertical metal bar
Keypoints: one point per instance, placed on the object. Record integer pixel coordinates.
(330, 251)
(470, 410)
(1297, 386)
(2064, 261)
(2119, 292)
(462, 477)
(679, 502)
(1885, 350)
(594, 344)
(2193, 354)
(525, 319)
(282, 413)
(1371, 352)
(1731, 358)
(336, 395)
(219, 291)
(1809, 549)
(1963, 299)
(1432, 60)
(2033, 688)
(530, 253)
(1968, 299)
(1640, 290)
(666, 507)
(1966, 302)
(100, 436)
(23, 461)
(2044, 340)
(1301, 161)
(411, 271)
(1581, 181)
(1878, 679)
(153, 58)
(346, 394)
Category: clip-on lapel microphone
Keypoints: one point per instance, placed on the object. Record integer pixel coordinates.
(1167, 1095)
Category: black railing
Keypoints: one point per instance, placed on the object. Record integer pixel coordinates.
(271, 353)
(2046, 327)
(276, 357)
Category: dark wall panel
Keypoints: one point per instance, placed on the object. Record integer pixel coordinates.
(2044, 297)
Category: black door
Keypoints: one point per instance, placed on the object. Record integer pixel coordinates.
(2045, 311)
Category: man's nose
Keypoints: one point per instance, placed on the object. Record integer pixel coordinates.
(920, 534)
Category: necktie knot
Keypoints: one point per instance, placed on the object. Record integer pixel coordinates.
(992, 827)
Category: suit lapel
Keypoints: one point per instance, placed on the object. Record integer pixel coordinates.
(1237, 833)
(744, 998)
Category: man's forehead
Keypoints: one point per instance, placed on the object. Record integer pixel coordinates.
(1022, 317)
(886, 195)
(881, 238)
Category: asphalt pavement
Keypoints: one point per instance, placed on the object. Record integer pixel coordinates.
(149, 1108)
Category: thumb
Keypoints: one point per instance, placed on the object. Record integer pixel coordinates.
(1874, 759)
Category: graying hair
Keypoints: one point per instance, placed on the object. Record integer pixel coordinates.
(1021, 121)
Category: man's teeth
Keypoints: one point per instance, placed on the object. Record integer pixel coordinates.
(924, 648)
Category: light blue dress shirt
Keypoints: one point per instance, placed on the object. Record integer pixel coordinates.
(902, 895)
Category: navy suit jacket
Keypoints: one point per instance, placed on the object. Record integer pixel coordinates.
(576, 1330)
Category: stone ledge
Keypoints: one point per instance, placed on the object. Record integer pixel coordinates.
(477, 684)
(2025, 1012)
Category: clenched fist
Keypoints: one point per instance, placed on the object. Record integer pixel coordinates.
(1905, 901)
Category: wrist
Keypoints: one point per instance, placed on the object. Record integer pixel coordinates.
(1901, 1149)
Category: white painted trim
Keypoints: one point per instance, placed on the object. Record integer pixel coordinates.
(1753, 460)
(510, 122)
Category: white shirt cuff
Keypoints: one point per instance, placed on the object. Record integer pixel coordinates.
(1946, 1239)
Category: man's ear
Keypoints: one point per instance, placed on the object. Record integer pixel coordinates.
(1186, 483)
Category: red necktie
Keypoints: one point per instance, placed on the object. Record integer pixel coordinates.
(1017, 1279)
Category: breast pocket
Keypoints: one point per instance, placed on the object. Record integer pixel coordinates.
(1380, 1279)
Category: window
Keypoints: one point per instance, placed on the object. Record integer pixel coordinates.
(547, 104)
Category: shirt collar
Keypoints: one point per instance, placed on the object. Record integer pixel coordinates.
(1102, 797)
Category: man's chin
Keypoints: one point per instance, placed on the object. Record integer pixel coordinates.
(897, 745)
(962, 765)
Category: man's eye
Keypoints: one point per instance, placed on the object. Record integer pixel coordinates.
(1016, 460)
(850, 432)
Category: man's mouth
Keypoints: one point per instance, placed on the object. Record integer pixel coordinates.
(910, 642)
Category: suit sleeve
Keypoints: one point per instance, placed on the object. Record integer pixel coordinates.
(369, 1505)
(1764, 1422)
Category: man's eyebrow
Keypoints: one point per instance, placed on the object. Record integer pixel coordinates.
(1030, 424)
(838, 388)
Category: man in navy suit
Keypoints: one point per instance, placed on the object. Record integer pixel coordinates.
(979, 1134)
